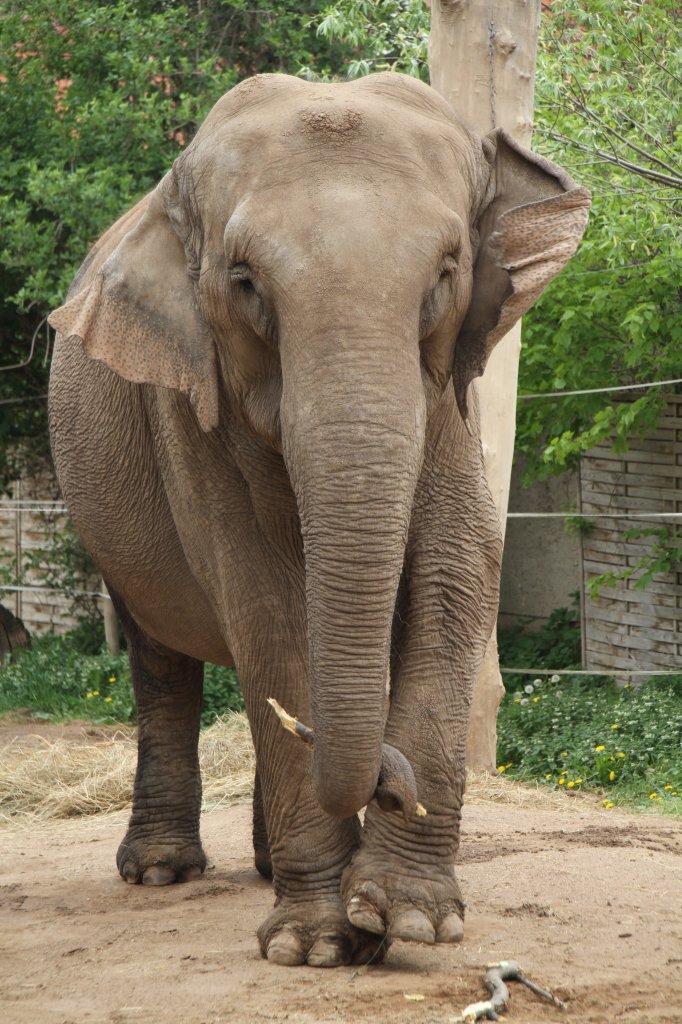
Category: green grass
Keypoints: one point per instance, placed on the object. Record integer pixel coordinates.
(55, 681)
(586, 734)
(583, 732)
(571, 734)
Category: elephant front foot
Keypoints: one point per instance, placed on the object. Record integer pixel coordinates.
(383, 894)
(161, 861)
(316, 932)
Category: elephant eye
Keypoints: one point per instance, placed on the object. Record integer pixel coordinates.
(448, 266)
(241, 274)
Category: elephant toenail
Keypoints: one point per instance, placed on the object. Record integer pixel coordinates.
(363, 915)
(191, 874)
(131, 873)
(451, 929)
(412, 926)
(158, 874)
(329, 952)
(285, 949)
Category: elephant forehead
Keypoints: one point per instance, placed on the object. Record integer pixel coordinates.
(333, 124)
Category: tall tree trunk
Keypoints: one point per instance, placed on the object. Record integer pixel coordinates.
(482, 60)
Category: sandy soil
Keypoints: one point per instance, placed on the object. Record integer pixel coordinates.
(588, 901)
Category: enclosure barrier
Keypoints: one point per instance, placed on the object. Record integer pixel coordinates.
(56, 507)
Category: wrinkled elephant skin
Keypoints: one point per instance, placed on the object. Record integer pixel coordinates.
(264, 428)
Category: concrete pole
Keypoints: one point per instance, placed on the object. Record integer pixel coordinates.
(110, 623)
(482, 56)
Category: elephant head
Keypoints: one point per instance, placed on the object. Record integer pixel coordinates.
(322, 261)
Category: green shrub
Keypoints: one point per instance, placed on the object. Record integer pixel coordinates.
(556, 644)
(56, 680)
(59, 679)
(585, 732)
(221, 693)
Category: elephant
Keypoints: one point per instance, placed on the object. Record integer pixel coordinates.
(265, 426)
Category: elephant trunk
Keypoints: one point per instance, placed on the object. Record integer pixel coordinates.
(354, 464)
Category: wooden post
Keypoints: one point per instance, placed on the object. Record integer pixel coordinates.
(482, 57)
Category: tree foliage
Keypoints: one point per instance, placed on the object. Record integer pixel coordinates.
(608, 109)
(391, 35)
(97, 99)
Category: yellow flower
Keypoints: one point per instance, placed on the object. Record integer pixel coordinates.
(535, 700)
(571, 784)
(620, 754)
(667, 787)
(548, 776)
(88, 695)
(501, 767)
(612, 775)
(562, 781)
(652, 796)
(112, 679)
(607, 803)
(673, 792)
(517, 700)
(600, 747)
(563, 753)
(508, 765)
(108, 700)
(615, 725)
(565, 771)
(95, 693)
(578, 781)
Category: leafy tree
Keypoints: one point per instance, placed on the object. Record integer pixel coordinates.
(391, 35)
(609, 109)
(97, 99)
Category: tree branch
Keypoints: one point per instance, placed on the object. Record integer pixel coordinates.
(645, 172)
(494, 980)
(581, 106)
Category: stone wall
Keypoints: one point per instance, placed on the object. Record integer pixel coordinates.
(542, 563)
(25, 528)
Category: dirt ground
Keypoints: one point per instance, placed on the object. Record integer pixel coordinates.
(588, 901)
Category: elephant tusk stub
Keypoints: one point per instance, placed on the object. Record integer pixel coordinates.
(396, 788)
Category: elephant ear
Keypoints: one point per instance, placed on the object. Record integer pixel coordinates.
(530, 228)
(139, 314)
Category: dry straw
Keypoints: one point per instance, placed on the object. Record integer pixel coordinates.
(44, 779)
(65, 778)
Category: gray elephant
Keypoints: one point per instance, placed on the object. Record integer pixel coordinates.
(256, 434)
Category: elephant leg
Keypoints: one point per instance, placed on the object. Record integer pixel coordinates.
(261, 847)
(308, 849)
(162, 843)
(402, 878)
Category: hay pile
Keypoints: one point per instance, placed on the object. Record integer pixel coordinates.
(45, 779)
(483, 788)
(62, 778)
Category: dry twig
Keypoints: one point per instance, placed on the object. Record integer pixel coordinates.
(397, 787)
(494, 980)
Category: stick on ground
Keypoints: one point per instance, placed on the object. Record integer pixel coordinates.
(494, 980)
